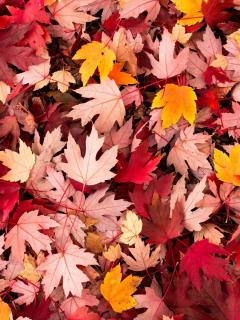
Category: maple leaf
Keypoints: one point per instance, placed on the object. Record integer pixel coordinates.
(131, 227)
(96, 55)
(63, 264)
(154, 303)
(138, 168)
(192, 10)
(13, 269)
(82, 314)
(176, 101)
(5, 91)
(9, 125)
(29, 271)
(179, 34)
(68, 224)
(167, 66)
(63, 78)
(220, 298)
(142, 255)
(41, 312)
(199, 256)
(5, 310)
(207, 98)
(209, 231)
(20, 164)
(51, 140)
(107, 103)
(162, 228)
(191, 140)
(88, 170)
(178, 155)
(120, 137)
(72, 304)
(21, 57)
(36, 75)
(227, 167)
(120, 77)
(113, 253)
(213, 11)
(192, 219)
(9, 194)
(135, 7)
(100, 205)
(218, 73)
(65, 13)
(26, 229)
(28, 290)
(118, 293)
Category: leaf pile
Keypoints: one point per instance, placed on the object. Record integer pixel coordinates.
(119, 159)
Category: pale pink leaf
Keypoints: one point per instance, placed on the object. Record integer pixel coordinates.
(28, 292)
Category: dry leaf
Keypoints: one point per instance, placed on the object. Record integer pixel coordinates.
(113, 253)
(63, 78)
(118, 293)
(20, 164)
(130, 228)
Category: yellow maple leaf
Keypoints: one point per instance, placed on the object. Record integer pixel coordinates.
(5, 310)
(179, 34)
(192, 8)
(228, 168)
(176, 101)
(92, 243)
(130, 228)
(113, 253)
(118, 293)
(30, 273)
(121, 78)
(96, 55)
(20, 163)
(63, 78)
(220, 62)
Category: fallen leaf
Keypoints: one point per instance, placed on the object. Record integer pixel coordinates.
(118, 293)
(130, 228)
(113, 253)
(20, 164)
(227, 168)
(176, 101)
(63, 78)
(141, 253)
(96, 55)
(179, 34)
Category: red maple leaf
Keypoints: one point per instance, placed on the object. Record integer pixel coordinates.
(218, 73)
(199, 256)
(207, 98)
(9, 196)
(21, 57)
(213, 11)
(138, 168)
(162, 228)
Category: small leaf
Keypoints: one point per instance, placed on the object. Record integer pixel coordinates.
(118, 293)
(130, 228)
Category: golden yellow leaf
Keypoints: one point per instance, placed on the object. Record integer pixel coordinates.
(228, 168)
(96, 55)
(5, 310)
(130, 228)
(118, 293)
(92, 243)
(87, 221)
(4, 91)
(192, 8)
(30, 273)
(179, 34)
(220, 62)
(20, 163)
(122, 2)
(49, 2)
(63, 78)
(121, 78)
(113, 253)
(176, 101)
